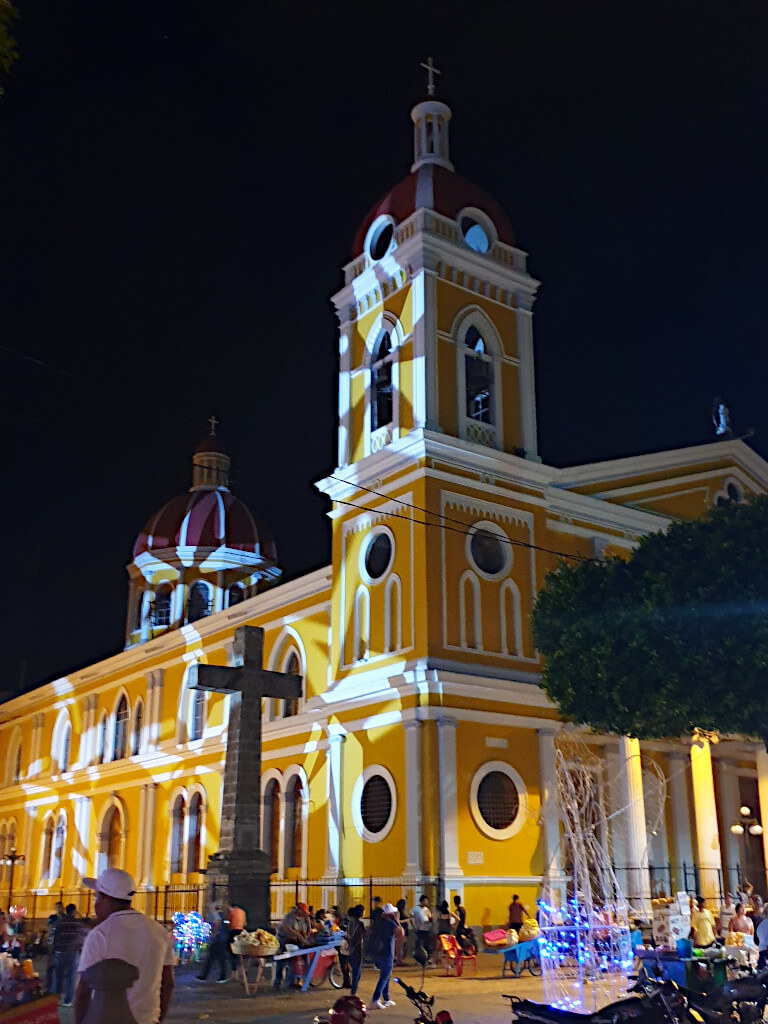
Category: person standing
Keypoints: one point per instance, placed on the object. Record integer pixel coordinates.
(355, 941)
(376, 905)
(740, 922)
(761, 937)
(385, 932)
(293, 930)
(703, 925)
(422, 925)
(217, 945)
(517, 914)
(67, 943)
(460, 913)
(402, 920)
(236, 923)
(124, 934)
(727, 913)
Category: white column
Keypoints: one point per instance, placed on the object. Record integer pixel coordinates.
(413, 809)
(761, 759)
(616, 823)
(633, 811)
(147, 837)
(705, 813)
(728, 788)
(550, 808)
(333, 757)
(156, 716)
(431, 351)
(449, 818)
(81, 840)
(679, 771)
(141, 849)
(526, 383)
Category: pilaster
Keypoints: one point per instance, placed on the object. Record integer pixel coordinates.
(527, 386)
(413, 805)
(550, 811)
(730, 802)
(705, 812)
(449, 819)
(334, 769)
(633, 807)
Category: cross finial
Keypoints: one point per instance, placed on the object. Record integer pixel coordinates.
(214, 423)
(431, 72)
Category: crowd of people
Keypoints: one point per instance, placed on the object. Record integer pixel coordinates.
(385, 938)
(745, 913)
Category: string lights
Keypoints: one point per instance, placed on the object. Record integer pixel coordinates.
(190, 933)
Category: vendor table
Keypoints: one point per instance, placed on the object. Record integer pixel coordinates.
(313, 953)
(515, 956)
(260, 959)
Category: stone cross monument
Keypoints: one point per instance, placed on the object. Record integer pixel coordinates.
(240, 865)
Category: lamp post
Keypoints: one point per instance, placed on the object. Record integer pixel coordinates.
(12, 859)
(747, 825)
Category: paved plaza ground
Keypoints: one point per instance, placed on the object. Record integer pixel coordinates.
(469, 999)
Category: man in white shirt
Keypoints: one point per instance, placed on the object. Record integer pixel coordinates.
(124, 934)
(421, 916)
(761, 938)
(727, 913)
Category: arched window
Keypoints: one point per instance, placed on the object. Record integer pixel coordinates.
(478, 381)
(138, 725)
(470, 620)
(120, 744)
(199, 604)
(17, 765)
(271, 822)
(114, 839)
(382, 395)
(66, 748)
(45, 857)
(293, 823)
(293, 667)
(196, 723)
(235, 595)
(3, 842)
(101, 739)
(59, 839)
(195, 831)
(361, 625)
(177, 836)
(161, 609)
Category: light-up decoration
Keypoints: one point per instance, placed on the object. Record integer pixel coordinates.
(584, 943)
(190, 934)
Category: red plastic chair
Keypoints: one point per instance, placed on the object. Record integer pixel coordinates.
(454, 956)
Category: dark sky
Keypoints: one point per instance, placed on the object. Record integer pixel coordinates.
(180, 184)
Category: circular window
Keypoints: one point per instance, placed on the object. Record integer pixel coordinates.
(380, 237)
(377, 555)
(489, 550)
(498, 800)
(476, 230)
(374, 802)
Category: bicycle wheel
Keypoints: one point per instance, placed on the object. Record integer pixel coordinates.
(336, 975)
(534, 966)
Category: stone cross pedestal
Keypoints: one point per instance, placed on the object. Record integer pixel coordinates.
(240, 865)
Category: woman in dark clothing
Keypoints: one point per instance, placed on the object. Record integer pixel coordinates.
(517, 913)
(460, 914)
(352, 962)
(402, 915)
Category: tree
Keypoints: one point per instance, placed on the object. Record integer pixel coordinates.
(7, 43)
(674, 638)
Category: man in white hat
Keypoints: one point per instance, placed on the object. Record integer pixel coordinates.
(124, 934)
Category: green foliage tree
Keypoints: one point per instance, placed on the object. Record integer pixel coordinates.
(674, 638)
(8, 52)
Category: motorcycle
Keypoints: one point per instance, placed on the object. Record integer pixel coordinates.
(662, 1002)
(346, 1010)
(742, 999)
(424, 1004)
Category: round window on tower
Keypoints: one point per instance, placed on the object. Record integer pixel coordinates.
(380, 238)
(489, 550)
(498, 800)
(377, 555)
(477, 230)
(374, 803)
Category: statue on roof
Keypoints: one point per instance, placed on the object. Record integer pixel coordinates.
(721, 420)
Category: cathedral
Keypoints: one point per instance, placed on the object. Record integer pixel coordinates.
(420, 754)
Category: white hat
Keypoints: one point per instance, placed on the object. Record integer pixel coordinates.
(388, 908)
(112, 882)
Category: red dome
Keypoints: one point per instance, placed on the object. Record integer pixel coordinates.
(211, 444)
(210, 518)
(436, 188)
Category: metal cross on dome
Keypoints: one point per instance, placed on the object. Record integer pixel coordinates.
(431, 72)
(214, 423)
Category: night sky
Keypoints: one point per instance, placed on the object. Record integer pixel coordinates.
(180, 185)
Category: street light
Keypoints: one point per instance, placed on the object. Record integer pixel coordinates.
(13, 859)
(747, 825)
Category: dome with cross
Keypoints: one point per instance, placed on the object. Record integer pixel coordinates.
(433, 185)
